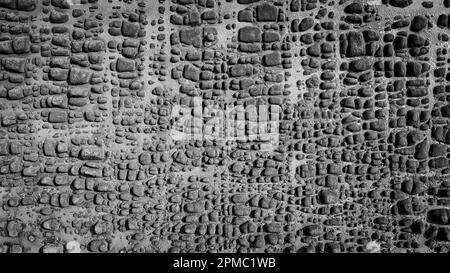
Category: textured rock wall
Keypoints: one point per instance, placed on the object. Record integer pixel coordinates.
(135, 125)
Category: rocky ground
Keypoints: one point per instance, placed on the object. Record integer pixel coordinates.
(354, 159)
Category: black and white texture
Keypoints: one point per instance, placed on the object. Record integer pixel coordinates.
(224, 126)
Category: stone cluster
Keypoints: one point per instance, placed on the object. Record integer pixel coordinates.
(88, 92)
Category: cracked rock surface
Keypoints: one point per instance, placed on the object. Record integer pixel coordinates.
(354, 158)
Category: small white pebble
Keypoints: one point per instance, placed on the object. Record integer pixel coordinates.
(73, 247)
(373, 247)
